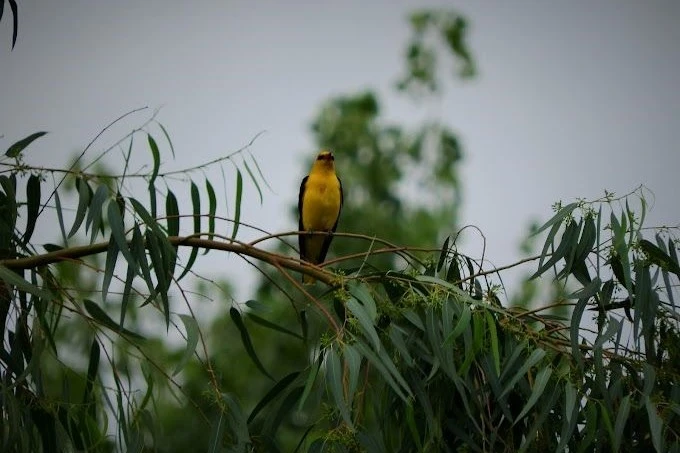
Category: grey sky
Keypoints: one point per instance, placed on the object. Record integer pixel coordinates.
(572, 98)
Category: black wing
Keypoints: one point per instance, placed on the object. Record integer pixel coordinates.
(302, 243)
(327, 241)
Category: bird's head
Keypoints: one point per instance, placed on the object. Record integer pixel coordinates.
(324, 161)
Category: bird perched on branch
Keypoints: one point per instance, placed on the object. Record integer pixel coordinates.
(319, 206)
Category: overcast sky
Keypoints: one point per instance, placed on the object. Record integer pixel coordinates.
(572, 98)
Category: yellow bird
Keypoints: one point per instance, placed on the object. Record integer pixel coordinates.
(319, 206)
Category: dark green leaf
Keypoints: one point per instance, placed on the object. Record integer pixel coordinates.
(311, 379)
(252, 177)
(14, 279)
(557, 218)
(191, 327)
(443, 254)
(196, 204)
(270, 325)
(172, 214)
(659, 257)
(110, 266)
(280, 386)
(32, 206)
(247, 343)
(92, 369)
(237, 209)
(18, 147)
(156, 155)
(84, 196)
(334, 378)
(541, 380)
(212, 201)
(94, 215)
(118, 234)
(60, 217)
(100, 316)
(364, 321)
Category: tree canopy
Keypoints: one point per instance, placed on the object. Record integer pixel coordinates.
(405, 344)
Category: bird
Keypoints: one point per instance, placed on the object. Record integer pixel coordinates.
(319, 205)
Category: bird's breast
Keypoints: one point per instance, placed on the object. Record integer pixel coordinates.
(321, 203)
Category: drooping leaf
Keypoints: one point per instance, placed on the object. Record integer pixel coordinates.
(99, 315)
(237, 208)
(247, 342)
(540, 383)
(334, 378)
(118, 234)
(212, 209)
(172, 214)
(191, 327)
(156, 155)
(32, 206)
(84, 197)
(18, 147)
(276, 389)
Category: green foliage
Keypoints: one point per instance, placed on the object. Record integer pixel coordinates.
(102, 348)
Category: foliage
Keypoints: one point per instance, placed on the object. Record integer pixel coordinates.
(426, 360)
(103, 345)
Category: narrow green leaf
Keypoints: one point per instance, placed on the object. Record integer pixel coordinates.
(279, 387)
(247, 343)
(586, 293)
(14, 279)
(167, 137)
(138, 249)
(270, 325)
(386, 368)
(100, 316)
(156, 155)
(534, 358)
(365, 321)
(152, 201)
(541, 380)
(311, 379)
(252, 177)
(655, 425)
(94, 214)
(118, 234)
(443, 253)
(18, 147)
(127, 289)
(109, 267)
(92, 368)
(196, 205)
(237, 209)
(334, 379)
(191, 327)
(32, 206)
(353, 361)
(659, 257)
(172, 214)
(396, 335)
(557, 218)
(567, 244)
(620, 424)
(493, 337)
(60, 217)
(212, 208)
(84, 197)
(361, 292)
(461, 325)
